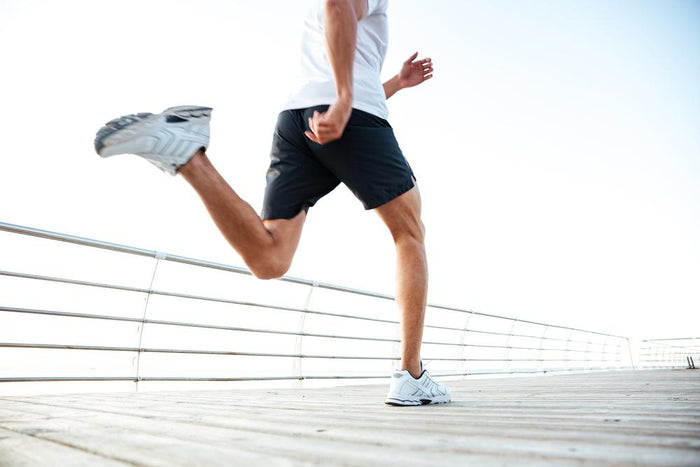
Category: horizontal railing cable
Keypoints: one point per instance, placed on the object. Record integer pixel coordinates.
(239, 270)
(285, 378)
(281, 332)
(270, 354)
(262, 305)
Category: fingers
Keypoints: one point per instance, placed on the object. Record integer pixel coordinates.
(411, 58)
(321, 130)
(323, 135)
(313, 126)
(329, 125)
(425, 65)
(427, 68)
(314, 122)
(312, 137)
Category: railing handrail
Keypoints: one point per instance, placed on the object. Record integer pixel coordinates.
(39, 233)
(331, 353)
(662, 340)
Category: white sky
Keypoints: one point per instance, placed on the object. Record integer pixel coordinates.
(557, 148)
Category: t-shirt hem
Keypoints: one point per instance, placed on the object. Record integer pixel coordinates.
(377, 112)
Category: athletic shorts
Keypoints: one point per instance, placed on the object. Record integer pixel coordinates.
(367, 159)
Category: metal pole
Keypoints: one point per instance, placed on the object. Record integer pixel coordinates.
(462, 342)
(141, 327)
(510, 334)
(629, 348)
(299, 341)
(539, 352)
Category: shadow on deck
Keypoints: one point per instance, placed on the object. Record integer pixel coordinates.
(604, 418)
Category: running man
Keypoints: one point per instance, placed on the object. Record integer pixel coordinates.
(332, 129)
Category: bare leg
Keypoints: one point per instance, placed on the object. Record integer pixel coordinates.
(267, 247)
(402, 216)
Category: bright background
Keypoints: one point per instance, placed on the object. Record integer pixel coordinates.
(557, 147)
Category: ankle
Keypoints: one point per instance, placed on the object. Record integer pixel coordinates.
(413, 368)
(195, 163)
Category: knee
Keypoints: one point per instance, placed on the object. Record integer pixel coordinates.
(413, 233)
(269, 269)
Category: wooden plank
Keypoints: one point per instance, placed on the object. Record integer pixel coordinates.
(26, 449)
(113, 440)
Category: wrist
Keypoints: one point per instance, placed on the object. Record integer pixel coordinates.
(345, 97)
(397, 83)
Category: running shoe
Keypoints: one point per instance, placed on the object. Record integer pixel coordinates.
(168, 140)
(407, 390)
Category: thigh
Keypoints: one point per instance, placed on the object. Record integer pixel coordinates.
(286, 234)
(402, 215)
(295, 180)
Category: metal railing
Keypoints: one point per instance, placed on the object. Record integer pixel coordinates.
(193, 320)
(677, 352)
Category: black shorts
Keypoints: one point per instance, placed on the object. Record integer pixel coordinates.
(367, 159)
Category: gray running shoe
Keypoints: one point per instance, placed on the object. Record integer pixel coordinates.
(168, 140)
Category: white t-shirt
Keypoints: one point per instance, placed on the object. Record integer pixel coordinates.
(315, 84)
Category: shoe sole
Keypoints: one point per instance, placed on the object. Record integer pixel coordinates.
(416, 401)
(135, 124)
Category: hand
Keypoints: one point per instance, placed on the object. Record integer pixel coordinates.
(329, 125)
(415, 72)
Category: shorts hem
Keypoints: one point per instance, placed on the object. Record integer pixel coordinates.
(283, 214)
(400, 190)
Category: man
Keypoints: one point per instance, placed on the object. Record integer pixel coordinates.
(332, 129)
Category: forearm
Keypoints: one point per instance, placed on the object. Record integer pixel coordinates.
(392, 86)
(340, 22)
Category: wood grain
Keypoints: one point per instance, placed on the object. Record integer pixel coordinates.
(602, 418)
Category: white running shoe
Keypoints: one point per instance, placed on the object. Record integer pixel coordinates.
(407, 390)
(168, 140)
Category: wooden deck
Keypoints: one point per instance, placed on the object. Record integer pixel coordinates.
(607, 418)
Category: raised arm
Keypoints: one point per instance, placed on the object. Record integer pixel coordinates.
(340, 19)
(412, 73)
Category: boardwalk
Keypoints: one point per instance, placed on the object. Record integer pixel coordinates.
(607, 418)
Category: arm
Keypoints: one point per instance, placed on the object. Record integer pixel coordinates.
(412, 73)
(340, 19)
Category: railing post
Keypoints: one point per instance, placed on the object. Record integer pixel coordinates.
(299, 341)
(586, 352)
(667, 357)
(648, 354)
(510, 334)
(541, 349)
(567, 360)
(658, 358)
(629, 348)
(462, 344)
(159, 256)
(603, 355)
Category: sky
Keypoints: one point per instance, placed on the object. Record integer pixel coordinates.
(556, 149)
